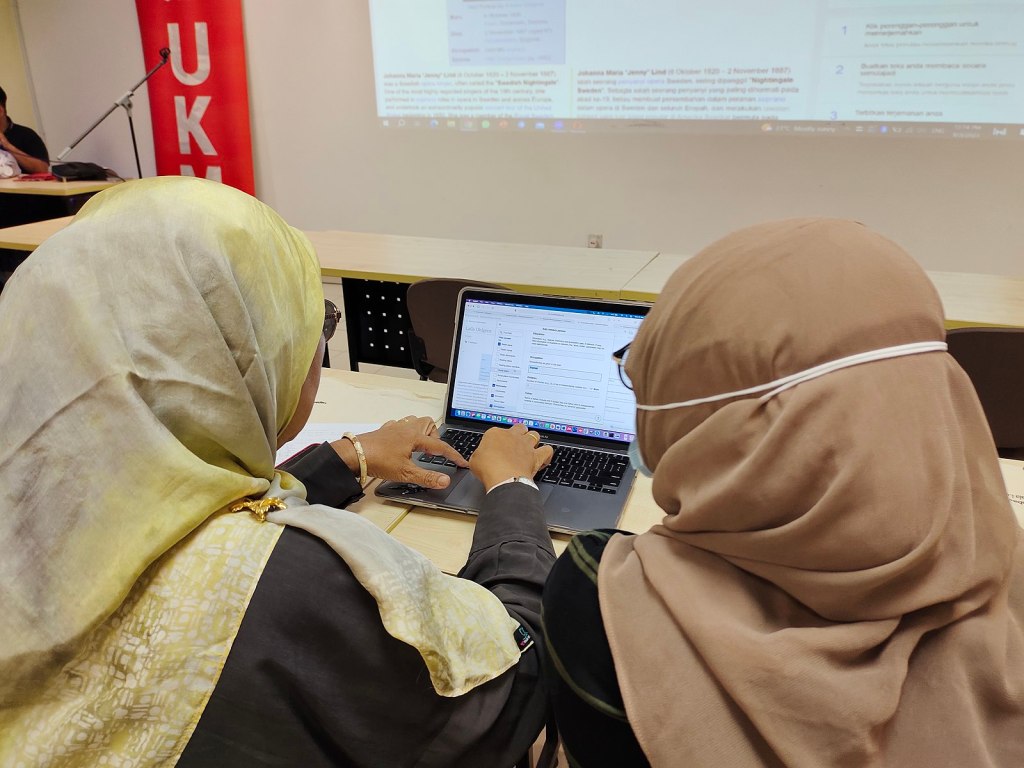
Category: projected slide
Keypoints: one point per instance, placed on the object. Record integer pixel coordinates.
(934, 68)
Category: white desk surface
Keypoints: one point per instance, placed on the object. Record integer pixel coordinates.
(564, 270)
(646, 284)
(445, 538)
(52, 188)
(588, 272)
(968, 298)
(1013, 476)
(977, 299)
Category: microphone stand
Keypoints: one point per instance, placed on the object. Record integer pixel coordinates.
(125, 102)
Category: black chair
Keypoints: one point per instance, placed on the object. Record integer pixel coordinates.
(432, 305)
(994, 360)
(376, 323)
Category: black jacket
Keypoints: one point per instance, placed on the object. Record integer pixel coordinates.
(313, 679)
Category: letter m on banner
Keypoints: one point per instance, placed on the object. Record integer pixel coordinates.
(200, 107)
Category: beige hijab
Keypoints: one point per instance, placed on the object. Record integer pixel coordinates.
(839, 579)
(152, 352)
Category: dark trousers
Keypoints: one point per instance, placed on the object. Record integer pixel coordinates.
(580, 670)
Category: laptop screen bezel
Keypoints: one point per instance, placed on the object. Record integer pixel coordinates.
(556, 302)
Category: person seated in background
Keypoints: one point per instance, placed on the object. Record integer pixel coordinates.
(839, 577)
(172, 598)
(24, 144)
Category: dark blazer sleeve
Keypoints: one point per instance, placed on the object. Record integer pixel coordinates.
(313, 678)
(327, 478)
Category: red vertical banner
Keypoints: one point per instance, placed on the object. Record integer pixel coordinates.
(200, 99)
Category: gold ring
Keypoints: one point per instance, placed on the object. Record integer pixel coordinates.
(534, 434)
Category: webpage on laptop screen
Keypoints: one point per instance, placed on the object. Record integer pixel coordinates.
(547, 367)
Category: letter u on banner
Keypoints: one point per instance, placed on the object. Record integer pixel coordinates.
(200, 103)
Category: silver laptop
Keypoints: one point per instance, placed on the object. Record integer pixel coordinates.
(545, 362)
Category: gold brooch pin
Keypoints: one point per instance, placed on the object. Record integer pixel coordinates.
(258, 508)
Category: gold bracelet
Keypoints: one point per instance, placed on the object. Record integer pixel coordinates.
(359, 455)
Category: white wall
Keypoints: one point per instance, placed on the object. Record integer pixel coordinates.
(14, 78)
(77, 78)
(324, 163)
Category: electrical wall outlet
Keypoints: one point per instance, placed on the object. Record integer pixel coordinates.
(595, 241)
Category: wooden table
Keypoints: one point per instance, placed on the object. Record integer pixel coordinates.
(968, 299)
(42, 207)
(375, 271)
(27, 201)
(28, 237)
(980, 300)
(17, 242)
(560, 270)
(445, 538)
(53, 188)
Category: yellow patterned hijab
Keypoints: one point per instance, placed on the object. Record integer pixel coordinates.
(159, 344)
(124, 429)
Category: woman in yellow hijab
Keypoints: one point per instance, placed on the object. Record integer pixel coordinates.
(839, 578)
(155, 353)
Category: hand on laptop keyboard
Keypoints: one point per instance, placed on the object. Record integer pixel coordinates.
(507, 453)
(597, 471)
(498, 454)
(388, 452)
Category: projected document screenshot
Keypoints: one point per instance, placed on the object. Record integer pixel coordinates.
(569, 64)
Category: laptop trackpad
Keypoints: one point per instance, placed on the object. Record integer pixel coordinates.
(469, 493)
(442, 495)
(465, 492)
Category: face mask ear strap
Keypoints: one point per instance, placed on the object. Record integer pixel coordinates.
(779, 385)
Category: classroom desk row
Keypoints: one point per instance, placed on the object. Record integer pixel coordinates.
(969, 299)
(375, 271)
(347, 397)
(26, 201)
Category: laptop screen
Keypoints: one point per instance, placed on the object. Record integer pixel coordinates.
(544, 362)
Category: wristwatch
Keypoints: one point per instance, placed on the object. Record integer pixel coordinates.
(521, 479)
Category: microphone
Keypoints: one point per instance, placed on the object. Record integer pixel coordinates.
(164, 53)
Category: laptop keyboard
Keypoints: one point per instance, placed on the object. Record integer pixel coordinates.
(576, 467)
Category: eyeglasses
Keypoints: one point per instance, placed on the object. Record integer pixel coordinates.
(331, 317)
(619, 358)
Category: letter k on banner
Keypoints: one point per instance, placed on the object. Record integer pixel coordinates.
(200, 107)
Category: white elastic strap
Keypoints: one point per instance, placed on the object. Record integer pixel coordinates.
(779, 385)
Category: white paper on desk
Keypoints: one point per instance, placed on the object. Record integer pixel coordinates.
(1013, 476)
(314, 434)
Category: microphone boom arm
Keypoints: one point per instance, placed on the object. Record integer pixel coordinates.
(125, 102)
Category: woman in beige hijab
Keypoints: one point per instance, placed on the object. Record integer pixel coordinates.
(157, 611)
(839, 578)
